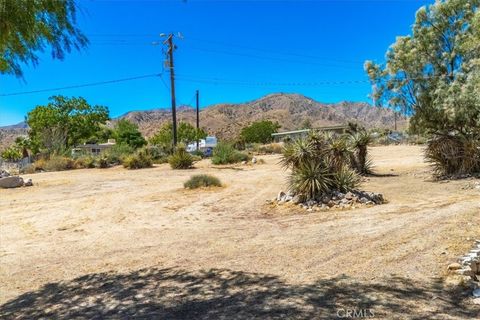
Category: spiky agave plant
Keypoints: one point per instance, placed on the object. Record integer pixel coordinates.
(338, 151)
(359, 141)
(346, 179)
(310, 179)
(450, 155)
(296, 152)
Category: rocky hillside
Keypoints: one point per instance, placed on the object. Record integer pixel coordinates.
(226, 120)
(290, 110)
(9, 133)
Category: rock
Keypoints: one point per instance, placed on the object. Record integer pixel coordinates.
(454, 266)
(11, 182)
(280, 196)
(326, 198)
(363, 200)
(331, 203)
(476, 301)
(311, 203)
(287, 198)
(349, 196)
(244, 162)
(297, 199)
(254, 160)
(476, 293)
(4, 174)
(29, 183)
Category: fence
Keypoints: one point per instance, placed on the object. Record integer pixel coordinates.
(14, 166)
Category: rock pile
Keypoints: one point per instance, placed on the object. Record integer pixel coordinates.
(9, 181)
(469, 265)
(334, 199)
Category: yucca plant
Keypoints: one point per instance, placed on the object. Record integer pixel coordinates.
(359, 142)
(296, 152)
(453, 155)
(310, 179)
(346, 179)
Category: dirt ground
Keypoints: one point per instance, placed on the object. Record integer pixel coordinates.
(101, 243)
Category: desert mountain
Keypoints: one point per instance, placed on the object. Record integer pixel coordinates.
(226, 120)
(289, 110)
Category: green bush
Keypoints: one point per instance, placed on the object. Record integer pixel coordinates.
(259, 132)
(12, 154)
(58, 163)
(180, 159)
(202, 180)
(225, 153)
(138, 160)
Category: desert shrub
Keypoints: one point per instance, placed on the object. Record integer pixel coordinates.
(39, 164)
(225, 153)
(270, 148)
(202, 180)
(180, 159)
(58, 163)
(117, 153)
(198, 153)
(85, 161)
(453, 155)
(12, 154)
(102, 162)
(138, 160)
(28, 169)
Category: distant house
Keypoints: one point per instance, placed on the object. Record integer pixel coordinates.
(296, 134)
(93, 148)
(205, 145)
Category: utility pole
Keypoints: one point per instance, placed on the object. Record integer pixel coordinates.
(171, 47)
(198, 115)
(395, 118)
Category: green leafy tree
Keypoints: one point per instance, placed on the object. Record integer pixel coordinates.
(259, 132)
(433, 73)
(186, 133)
(28, 27)
(126, 132)
(64, 122)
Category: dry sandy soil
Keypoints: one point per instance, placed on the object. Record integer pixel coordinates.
(103, 243)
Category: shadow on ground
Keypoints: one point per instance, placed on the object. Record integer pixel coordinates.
(178, 294)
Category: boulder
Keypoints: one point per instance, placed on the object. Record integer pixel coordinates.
(4, 174)
(29, 183)
(281, 195)
(254, 160)
(297, 199)
(11, 182)
(454, 266)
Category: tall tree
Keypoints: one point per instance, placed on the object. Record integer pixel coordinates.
(65, 122)
(430, 74)
(126, 132)
(30, 26)
(186, 134)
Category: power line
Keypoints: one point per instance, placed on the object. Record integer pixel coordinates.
(82, 85)
(272, 58)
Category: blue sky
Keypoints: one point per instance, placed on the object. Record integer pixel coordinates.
(232, 51)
